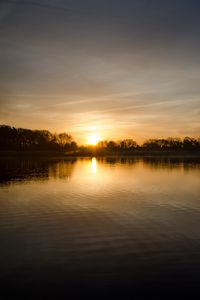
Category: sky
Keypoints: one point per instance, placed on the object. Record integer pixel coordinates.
(114, 68)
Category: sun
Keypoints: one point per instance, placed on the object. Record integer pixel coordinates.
(93, 139)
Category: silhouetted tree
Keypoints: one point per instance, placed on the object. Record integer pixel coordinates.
(128, 144)
(12, 138)
(25, 139)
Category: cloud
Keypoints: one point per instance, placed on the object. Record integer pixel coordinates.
(126, 68)
(35, 4)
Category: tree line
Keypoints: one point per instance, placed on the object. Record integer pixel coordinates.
(169, 144)
(129, 146)
(12, 138)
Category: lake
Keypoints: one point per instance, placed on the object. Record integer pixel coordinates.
(99, 225)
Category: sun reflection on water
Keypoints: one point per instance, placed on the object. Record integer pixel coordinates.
(94, 165)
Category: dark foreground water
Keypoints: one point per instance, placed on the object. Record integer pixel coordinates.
(100, 227)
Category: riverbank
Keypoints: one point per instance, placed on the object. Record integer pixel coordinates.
(77, 154)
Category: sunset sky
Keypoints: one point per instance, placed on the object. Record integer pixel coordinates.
(114, 68)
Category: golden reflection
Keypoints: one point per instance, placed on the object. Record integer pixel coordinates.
(94, 165)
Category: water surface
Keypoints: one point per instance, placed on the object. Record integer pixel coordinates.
(99, 224)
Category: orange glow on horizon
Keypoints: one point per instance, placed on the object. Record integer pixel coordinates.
(93, 139)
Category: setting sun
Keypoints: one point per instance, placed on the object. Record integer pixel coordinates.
(93, 139)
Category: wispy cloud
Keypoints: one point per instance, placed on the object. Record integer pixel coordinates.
(36, 4)
(122, 68)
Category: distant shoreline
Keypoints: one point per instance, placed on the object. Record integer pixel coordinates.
(57, 154)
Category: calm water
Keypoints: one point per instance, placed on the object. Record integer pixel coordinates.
(100, 225)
